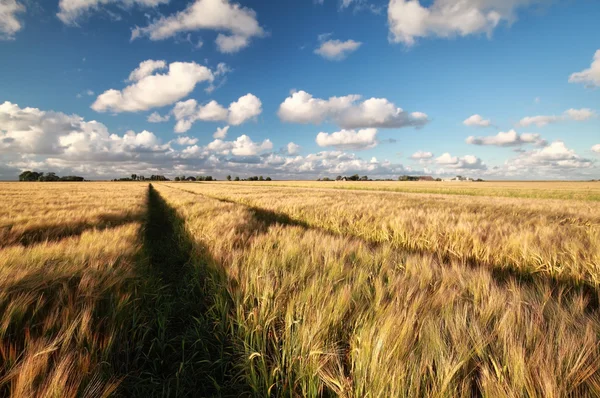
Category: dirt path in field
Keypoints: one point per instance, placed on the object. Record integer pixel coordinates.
(186, 351)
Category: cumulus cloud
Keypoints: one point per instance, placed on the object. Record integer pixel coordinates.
(570, 114)
(552, 160)
(187, 112)
(294, 148)
(37, 132)
(145, 69)
(242, 146)
(596, 148)
(349, 139)
(155, 117)
(154, 90)
(409, 20)
(580, 114)
(245, 108)
(336, 50)
(591, 76)
(422, 156)
(70, 11)
(468, 162)
(221, 132)
(186, 141)
(9, 23)
(506, 139)
(31, 138)
(239, 23)
(347, 112)
(477, 121)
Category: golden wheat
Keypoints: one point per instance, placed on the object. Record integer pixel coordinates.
(234, 289)
(318, 313)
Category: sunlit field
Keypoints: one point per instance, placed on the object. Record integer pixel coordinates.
(350, 289)
(515, 189)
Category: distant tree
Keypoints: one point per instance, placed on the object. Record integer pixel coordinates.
(268, 179)
(338, 178)
(237, 179)
(208, 178)
(326, 179)
(228, 177)
(190, 178)
(177, 179)
(71, 178)
(29, 176)
(134, 177)
(355, 177)
(364, 178)
(51, 176)
(261, 178)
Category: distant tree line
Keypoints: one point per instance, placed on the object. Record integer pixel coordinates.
(35, 176)
(354, 177)
(253, 178)
(135, 177)
(199, 178)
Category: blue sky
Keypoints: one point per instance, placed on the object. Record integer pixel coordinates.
(497, 89)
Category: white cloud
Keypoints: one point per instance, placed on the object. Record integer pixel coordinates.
(187, 112)
(186, 141)
(580, 114)
(509, 138)
(336, 50)
(242, 146)
(31, 138)
(239, 22)
(349, 139)
(409, 20)
(36, 132)
(229, 44)
(9, 24)
(468, 162)
(154, 90)
(554, 160)
(294, 148)
(301, 107)
(221, 132)
(591, 76)
(155, 117)
(245, 108)
(477, 121)
(596, 148)
(70, 11)
(570, 114)
(421, 155)
(145, 69)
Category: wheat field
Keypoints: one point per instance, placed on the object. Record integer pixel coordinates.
(289, 289)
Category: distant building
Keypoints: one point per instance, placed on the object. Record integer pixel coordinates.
(426, 178)
(460, 178)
